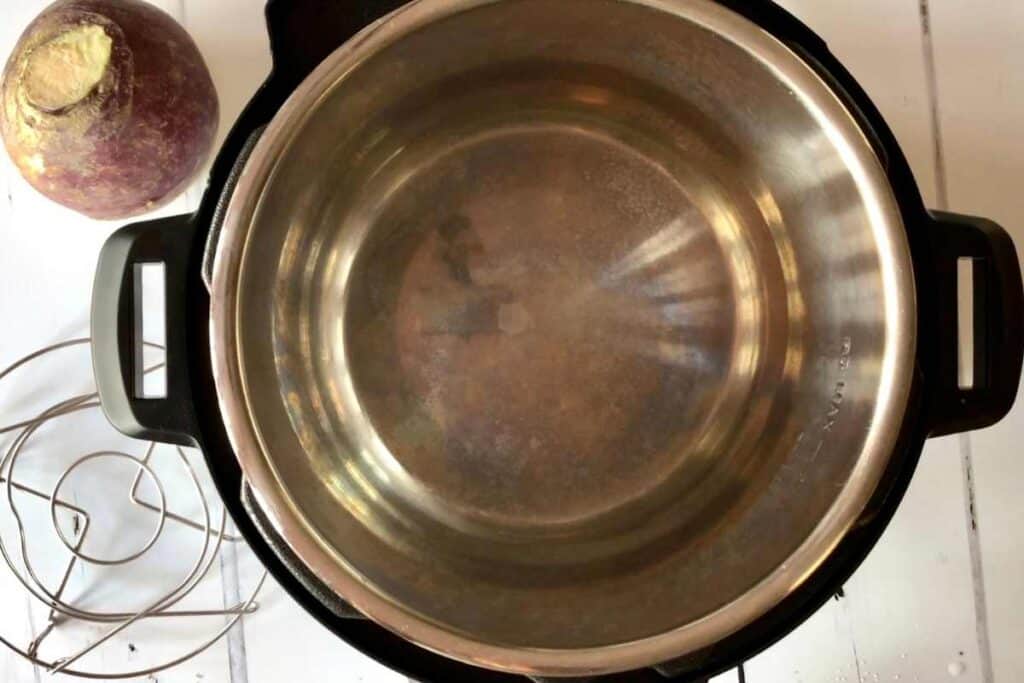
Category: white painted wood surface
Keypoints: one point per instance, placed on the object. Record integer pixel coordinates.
(980, 73)
(941, 595)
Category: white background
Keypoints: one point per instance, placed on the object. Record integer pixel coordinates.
(940, 599)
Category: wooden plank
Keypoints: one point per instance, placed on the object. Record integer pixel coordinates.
(879, 42)
(41, 309)
(239, 60)
(283, 643)
(232, 36)
(730, 677)
(822, 649)
(14, 623)
(47, 265)
(980, 84)
(900, 629)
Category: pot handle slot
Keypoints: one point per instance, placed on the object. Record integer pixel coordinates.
(974, 389)
(117, 330)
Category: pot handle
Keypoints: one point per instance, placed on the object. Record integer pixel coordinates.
(998, 324)
(117, 330)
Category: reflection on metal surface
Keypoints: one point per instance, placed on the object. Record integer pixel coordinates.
(532, 345)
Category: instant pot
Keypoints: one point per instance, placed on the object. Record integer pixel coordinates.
(585, 339)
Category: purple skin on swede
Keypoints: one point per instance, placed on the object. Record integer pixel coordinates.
(107, 107)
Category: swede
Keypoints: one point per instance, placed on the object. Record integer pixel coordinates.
(107, 107)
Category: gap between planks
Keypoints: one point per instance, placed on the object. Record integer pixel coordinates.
(238, 665)
(36, 676)
(966, 455)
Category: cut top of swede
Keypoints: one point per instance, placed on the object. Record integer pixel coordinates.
(65, 70)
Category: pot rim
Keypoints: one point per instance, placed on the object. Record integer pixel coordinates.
(893, 394)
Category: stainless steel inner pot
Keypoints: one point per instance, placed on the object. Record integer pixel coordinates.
(563, 336)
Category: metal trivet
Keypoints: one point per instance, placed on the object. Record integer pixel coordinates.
(64, 613)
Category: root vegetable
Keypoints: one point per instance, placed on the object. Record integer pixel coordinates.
(107, 107)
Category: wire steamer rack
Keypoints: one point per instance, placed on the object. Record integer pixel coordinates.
(73, 566)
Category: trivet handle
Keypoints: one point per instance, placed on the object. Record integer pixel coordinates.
(117, 330)
(998, 325)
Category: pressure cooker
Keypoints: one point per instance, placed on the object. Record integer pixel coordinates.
(560, 338)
